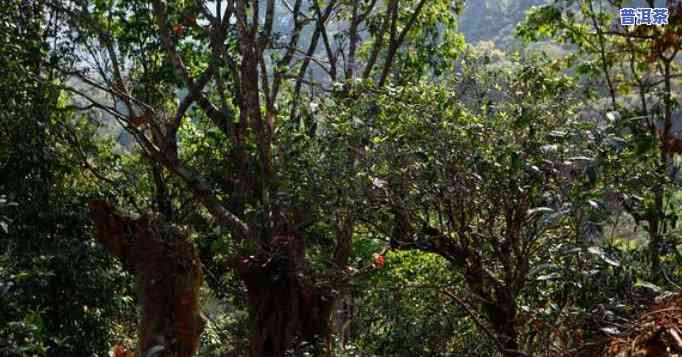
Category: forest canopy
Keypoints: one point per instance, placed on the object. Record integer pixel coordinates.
(274, 178)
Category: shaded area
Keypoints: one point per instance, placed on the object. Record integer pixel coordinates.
(284, 303)
(168, 278)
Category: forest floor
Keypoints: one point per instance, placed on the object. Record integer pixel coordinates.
(657, 332)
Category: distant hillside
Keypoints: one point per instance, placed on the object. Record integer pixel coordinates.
(493, 20)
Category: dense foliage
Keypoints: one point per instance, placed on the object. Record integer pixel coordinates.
(342, 178)
(60, 294)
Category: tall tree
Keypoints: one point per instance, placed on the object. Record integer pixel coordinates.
(475, 170)
(245, 68)
(636, 66)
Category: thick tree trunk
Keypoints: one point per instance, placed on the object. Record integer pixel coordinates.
(499, 308)
(502, 316)
(343, 316)
(168, 278)
(286, 306)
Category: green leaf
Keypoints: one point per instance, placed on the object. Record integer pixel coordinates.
(610, 330)
(551, 276)
(154, 350)
(648, 285)
(602, 255)
(515, 161)
(540, 210)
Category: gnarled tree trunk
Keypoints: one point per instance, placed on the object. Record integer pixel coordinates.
(285, 304)
(168, 278)
(502, 315)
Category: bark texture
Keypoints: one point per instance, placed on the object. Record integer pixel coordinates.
(168, 277)
(287, 307)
